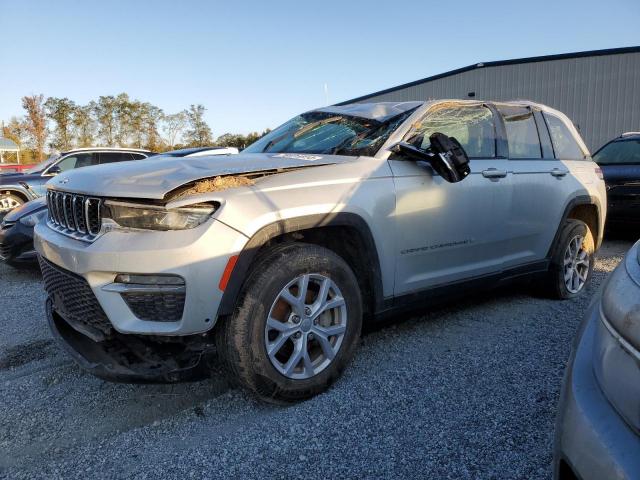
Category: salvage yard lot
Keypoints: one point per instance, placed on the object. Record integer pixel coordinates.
(468, 390)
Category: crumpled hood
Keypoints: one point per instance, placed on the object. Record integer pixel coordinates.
(154, 178)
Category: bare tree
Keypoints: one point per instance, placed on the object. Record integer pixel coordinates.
(36, 122)
(173, 125)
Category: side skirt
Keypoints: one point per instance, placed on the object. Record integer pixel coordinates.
(442, 293)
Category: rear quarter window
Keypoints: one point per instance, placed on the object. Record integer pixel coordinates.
(564, 143)
(522, 133)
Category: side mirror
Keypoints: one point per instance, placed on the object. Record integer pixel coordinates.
(54, 170)
(446, 156)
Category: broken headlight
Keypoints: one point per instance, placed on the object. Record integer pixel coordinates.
(153, 217)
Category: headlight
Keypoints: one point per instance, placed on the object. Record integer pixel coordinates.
(31, 220)
(151, 217)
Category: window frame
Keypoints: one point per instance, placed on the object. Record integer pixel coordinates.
(586, 156)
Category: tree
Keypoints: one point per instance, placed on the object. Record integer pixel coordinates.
(61, 111)
(173, 125)
(198, 134)
(152, 118)
(105, 110)
(36, 122)
(84, 124)
(16, 130)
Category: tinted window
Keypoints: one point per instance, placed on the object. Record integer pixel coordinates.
(471, 125)
(112, 157)
(622, 151)
(137, 156)
(77, 161)
(522, 133)
(564, 145)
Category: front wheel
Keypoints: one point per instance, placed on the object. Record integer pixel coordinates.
(297, 324)
(8, 202)
(572, 261)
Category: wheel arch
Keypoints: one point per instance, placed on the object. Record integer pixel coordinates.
(18, 191)
(586, 208)
(350, 237)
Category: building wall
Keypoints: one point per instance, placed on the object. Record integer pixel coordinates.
(601, 94)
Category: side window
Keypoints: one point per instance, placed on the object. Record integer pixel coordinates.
(77, 161)
(472, 125)
(137, 156)
(564, 144)
(522, 134)
(112, 157)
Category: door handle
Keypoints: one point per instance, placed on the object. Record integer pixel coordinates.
(556, 172)
(493, 173)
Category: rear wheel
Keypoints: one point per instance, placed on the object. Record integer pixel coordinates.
(572, 261)
(297, 324)
(8, 202)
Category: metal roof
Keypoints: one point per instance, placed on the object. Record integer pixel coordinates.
(7, 145)
(543, 58)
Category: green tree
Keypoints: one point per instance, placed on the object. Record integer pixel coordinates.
(85, 124)
(105, 111)
(61, 111)
(198, 133)
(36, 123)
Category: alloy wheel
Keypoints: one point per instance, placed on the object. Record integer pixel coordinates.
(306, 326)
(8, 203)
(576, 264)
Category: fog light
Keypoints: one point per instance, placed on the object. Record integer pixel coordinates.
(136, 279)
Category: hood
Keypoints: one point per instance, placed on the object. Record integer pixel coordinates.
(12, 178)
(154, 178)
(26, 209)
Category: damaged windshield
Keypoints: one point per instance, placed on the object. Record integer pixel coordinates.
(329, 133)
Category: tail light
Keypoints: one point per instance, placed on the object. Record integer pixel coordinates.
(599, 173)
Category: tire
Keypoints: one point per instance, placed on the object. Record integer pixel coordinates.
(559, 283)
(243, 339)
(8, 202)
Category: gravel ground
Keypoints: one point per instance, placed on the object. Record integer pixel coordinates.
(464, 391)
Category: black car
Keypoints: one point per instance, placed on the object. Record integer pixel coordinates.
(620, 163)
(16, 232)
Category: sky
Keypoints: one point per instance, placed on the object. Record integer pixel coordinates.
(255, 64)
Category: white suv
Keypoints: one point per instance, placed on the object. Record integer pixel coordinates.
(272, 259)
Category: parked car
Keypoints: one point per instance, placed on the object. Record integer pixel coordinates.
(620, 163)
(200, 152)
(16, 233)
(598, 426)
(277, 256)
(18, 188)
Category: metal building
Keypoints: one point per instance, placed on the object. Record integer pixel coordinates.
(599, 90)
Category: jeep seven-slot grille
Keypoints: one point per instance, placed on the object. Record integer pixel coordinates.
(74, 215)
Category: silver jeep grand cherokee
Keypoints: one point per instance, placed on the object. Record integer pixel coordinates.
(271, 260)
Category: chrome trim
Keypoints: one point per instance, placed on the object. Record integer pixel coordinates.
(630, 349)
(63, 204)
(139, 288)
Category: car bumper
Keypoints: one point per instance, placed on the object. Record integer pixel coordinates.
(16, 244)
(199, 256)
(591, 437)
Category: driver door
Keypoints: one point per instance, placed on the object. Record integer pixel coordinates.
(448, 232)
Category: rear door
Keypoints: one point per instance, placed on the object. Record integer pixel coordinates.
(540, 185)
(448, 232)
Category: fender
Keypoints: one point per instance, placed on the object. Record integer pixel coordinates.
(15, 188)
(268, 232)
(579, 200)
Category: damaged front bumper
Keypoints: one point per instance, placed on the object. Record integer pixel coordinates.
(133, 358)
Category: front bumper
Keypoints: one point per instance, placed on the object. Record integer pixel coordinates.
(591, 437)
(198, 255)
(16, 244)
